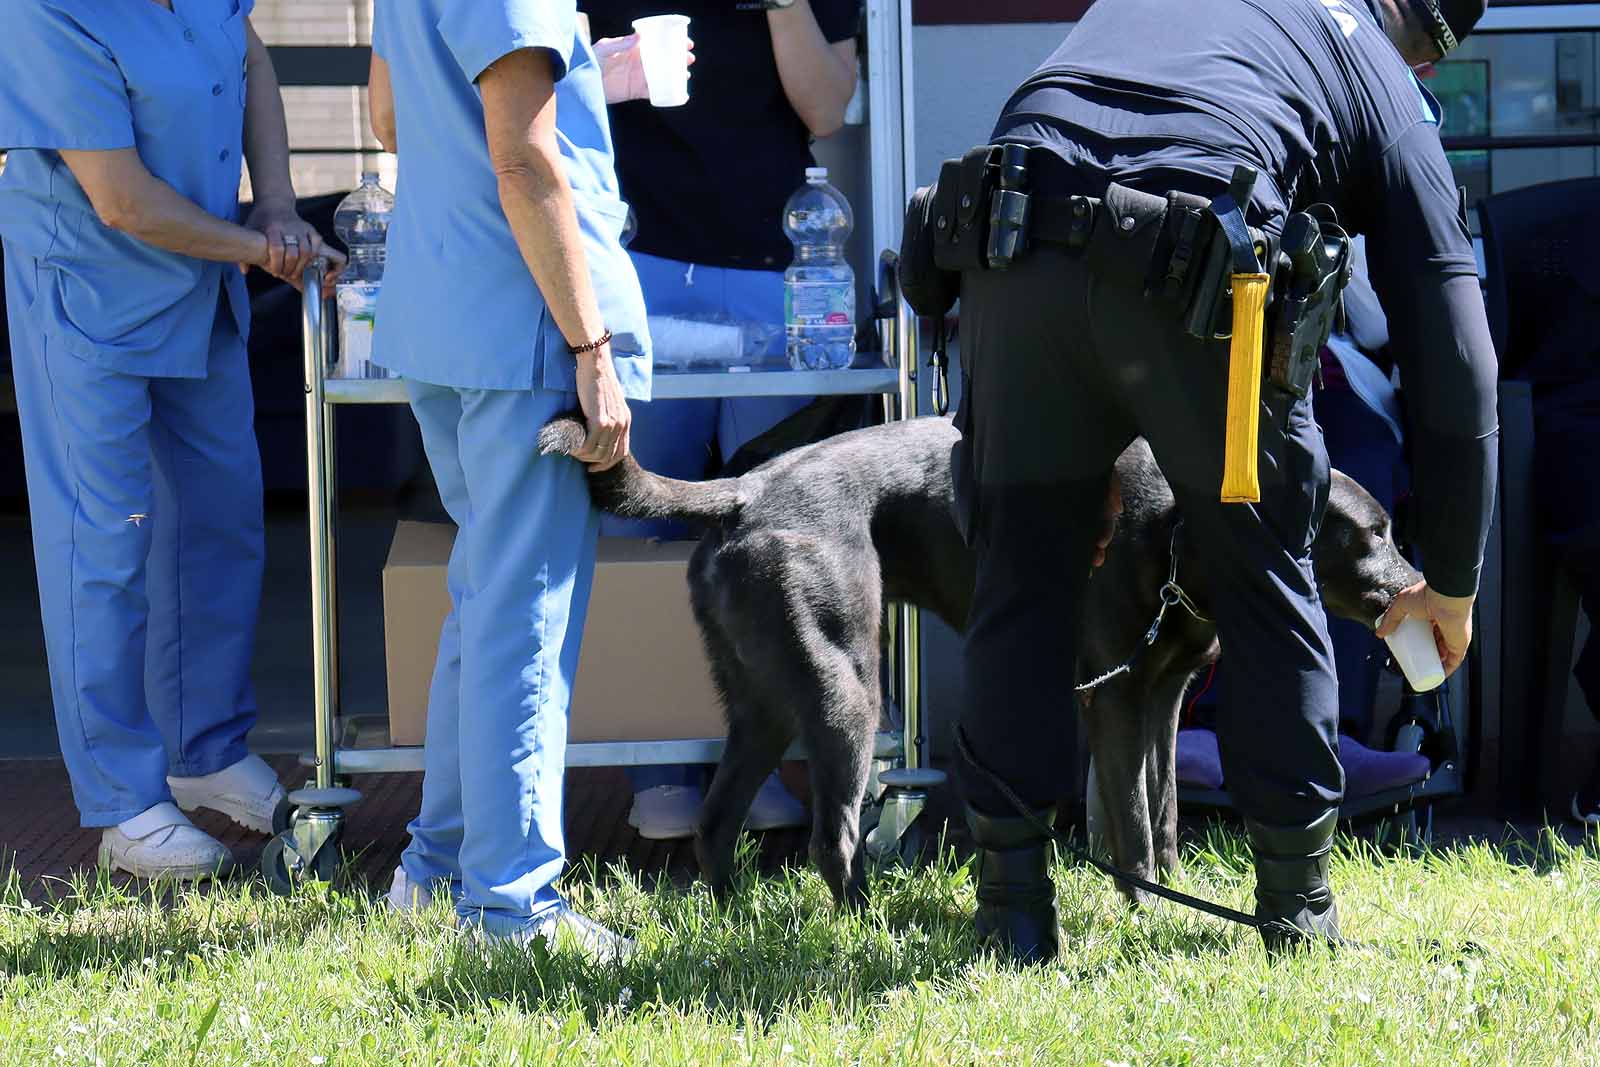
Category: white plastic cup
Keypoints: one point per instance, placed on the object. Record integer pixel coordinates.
(664, 51)
(1414, 649)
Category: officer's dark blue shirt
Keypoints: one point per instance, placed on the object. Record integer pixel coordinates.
(1159, 96)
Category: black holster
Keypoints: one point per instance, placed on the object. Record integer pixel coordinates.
(1315, 254)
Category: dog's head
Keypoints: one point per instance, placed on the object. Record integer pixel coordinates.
(1358, 565)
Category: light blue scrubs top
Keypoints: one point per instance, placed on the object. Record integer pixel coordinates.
(91, 74)
(458, 306)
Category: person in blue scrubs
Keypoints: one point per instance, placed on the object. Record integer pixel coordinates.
(125, 127)
(708, 181)
(507, 299)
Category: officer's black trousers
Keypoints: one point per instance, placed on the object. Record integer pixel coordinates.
(1066, 362)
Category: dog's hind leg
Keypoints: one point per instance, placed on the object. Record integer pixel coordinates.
(839, 751)
(756, 742)
(837, 702)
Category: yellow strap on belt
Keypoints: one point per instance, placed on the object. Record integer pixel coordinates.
(1240, 484)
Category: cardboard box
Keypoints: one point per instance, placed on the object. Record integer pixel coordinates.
(642, 675)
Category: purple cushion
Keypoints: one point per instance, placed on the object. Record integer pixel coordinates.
(1199, 761)
(1368, 771)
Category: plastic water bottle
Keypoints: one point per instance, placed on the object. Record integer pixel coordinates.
(819, 288)
(362, 222)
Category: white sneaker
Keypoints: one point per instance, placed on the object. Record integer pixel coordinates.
(161, 843)
(403, 896)
(1590, 817)
(666, 812)
(775, 808)
(248, 792)
(562, 926)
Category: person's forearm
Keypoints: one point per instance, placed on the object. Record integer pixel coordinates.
(173, 222)
(1448, 369)
(816, 79)
(128, 198)
(380, 102)
(266, 133)
(540, 209)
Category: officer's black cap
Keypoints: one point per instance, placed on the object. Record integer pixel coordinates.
(1462, 15)
(1449, 21)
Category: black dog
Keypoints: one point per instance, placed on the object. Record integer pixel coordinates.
(799, 556)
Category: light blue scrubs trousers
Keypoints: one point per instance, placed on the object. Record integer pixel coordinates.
(519, 580)
(676, 437)
(145, 498)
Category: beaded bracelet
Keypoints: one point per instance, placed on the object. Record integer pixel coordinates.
(599, 342)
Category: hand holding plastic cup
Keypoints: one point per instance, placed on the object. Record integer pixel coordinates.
(664, 51)
(1414, 649)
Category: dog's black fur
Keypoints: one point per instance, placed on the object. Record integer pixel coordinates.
(799, 556)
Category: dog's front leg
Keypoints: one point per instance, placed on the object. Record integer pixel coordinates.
(1117, 742)
(1163, 709)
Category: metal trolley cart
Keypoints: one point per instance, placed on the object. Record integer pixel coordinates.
(308, 826)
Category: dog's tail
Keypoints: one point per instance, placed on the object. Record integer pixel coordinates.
(630, 491)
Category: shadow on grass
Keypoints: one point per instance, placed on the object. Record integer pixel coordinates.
(94, 920)
(776, 945)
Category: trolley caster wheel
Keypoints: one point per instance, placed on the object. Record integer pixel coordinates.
(282, 816)
(307, 846)
(908, 851)
(284, 868)
(898, 837)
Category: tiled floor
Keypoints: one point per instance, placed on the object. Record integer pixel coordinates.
(48, 847)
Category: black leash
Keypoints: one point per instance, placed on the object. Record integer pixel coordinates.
(1219, 911)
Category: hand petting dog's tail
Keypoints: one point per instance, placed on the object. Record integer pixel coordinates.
(630, 491)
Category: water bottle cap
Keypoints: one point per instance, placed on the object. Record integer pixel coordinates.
(369, 177)
(816, 174)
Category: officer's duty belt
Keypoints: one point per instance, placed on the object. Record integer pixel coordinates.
(1197, 257)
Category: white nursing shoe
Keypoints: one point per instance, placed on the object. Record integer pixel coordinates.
(160, 843)
(403, 896)
(562, 927)
(666, 812)
(247, 792)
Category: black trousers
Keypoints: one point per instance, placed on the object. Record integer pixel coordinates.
(1064, 366)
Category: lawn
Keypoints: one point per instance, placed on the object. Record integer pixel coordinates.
(237, 976)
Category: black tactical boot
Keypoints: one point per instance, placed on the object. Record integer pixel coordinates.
(1016, 899)
(1292, 882)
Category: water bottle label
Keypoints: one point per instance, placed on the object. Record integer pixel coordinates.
(819, 304)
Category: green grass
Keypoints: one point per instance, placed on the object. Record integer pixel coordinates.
(238, 976)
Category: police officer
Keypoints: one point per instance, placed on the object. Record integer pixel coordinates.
(1067, 358)
(119, 206)
(507, 300)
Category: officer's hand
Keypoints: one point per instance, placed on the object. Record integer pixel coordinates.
(1113, 511)
(1450, 616)
(604, 408)
(622, 68)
